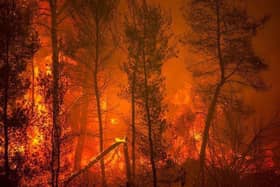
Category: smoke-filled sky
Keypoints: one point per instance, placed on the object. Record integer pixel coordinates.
(267, 45)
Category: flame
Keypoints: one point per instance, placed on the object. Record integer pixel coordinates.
(48, 70)
(36, 71)
(122, 140)
(104, 105)
(21, 149)
(37, 137)
(197, 136)
(114, 121)
(182, 97)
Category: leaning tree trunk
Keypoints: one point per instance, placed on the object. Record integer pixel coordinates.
(56, 131)
(209, 119)
(213, 104)
(95, 160)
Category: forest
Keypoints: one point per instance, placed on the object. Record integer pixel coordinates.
(181, 93)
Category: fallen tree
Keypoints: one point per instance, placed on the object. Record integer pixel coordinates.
(95, 160)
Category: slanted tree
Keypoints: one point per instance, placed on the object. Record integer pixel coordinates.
(18, 44)
(221, 34)
(147, 37)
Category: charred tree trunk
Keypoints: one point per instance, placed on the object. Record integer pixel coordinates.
(33, 87)
(97, 97)
(132, 7)
(56, 131)
(149, 122)
(209, 119)
(213, 104)
(93, 161)
(133, 128)
(147, 105)
(150, 136)
(5, 111)
(127, 164)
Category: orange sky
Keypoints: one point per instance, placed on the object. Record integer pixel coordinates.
(267, 45)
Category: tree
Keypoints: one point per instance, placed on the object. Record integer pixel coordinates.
(221, 34)
(131, 69)
(19, 42)
(93, 20)
(81, 79)
(54, 14)
(56, 17)
(56, 130)
(83, 113)
(147, 37)
(240, 148)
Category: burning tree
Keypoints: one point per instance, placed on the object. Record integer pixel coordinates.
(19, 42)
(221, 34)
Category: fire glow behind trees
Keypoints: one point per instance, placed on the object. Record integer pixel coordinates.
(135, 93)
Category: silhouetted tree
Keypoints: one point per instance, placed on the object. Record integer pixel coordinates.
(93, 20)
(81, 79)
(57, 16)
(18, 44)
(147, 36)
(221, 34)
(130, 69)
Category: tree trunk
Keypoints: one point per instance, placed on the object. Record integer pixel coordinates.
(149, 123)
(93, 161)
(147, 107)
(33, 87)
(212, 107)
(209, 118)
(127, 164)
(97, 97)
(5, 112)
(133, 128)
(132, 5)
(56, 131)
(150, 138)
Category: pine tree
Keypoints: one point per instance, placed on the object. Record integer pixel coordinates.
(93, 19)
(147, 38)
(221, 32)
